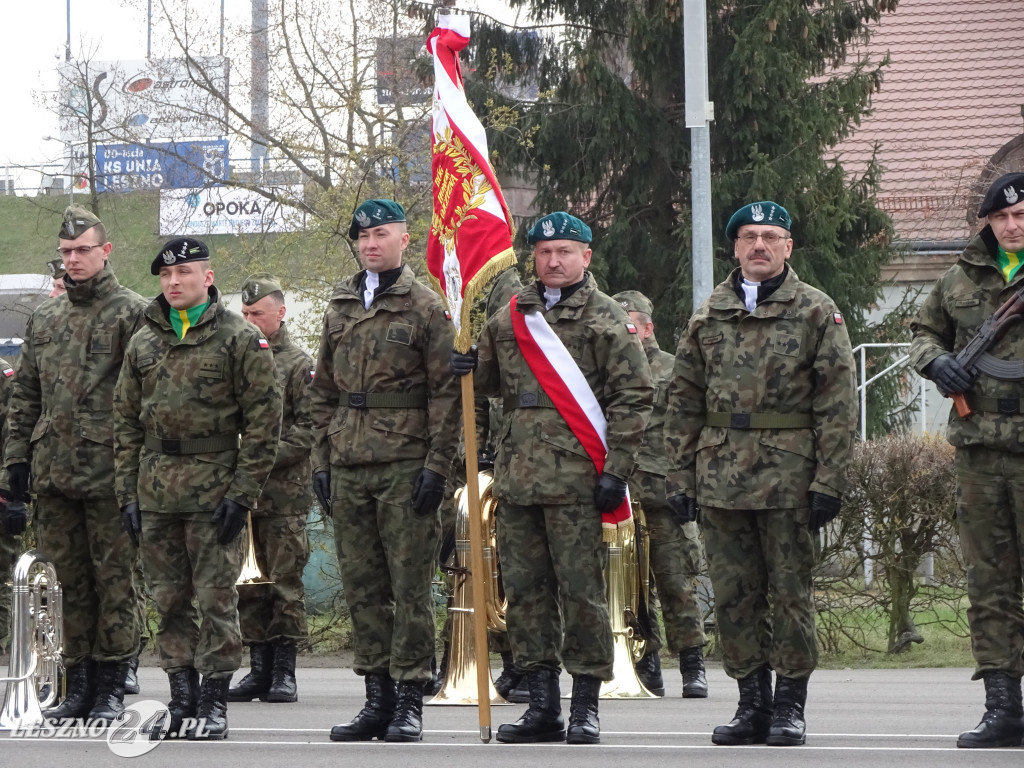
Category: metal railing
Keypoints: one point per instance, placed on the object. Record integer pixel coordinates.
(862, 388)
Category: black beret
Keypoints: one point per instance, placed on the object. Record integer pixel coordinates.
(1005, 191)
(178, 251)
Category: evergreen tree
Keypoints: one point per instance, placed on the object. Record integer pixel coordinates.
(606, 138)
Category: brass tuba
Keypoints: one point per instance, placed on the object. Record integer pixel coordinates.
(37, 638)
(460, 683)
(627, 581)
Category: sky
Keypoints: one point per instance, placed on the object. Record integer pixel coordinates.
(35, 34)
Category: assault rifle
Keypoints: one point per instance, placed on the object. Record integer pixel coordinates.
(974, 357)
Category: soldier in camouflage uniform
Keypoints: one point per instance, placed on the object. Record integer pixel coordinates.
(551, 496)
(675, 546)
(60, 445)
(197, 421)
(763, 411)
(57, 271)
(386, 420)
(273, 616)
(989, 452)
(12, 515)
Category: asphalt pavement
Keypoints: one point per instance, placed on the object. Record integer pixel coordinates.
(907, 717)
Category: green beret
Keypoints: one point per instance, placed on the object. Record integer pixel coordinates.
(76, 220)
(559, 226)
(634, 301)
(178, 251)
(259, 285)
(764, 212)
(1005, 191)
(55, 268)
(373, 213)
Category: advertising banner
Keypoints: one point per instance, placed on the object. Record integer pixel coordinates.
(141, 100)
(228, 211)
(165, 165)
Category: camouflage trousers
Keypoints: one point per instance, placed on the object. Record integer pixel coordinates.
(95, 562)
(552, 567)
(11, 548)
(192, 580)
(990, 515)
(676, 555)
(386, 556)
(761, 566)
(276, 612)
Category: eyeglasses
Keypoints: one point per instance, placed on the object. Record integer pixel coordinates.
(768, 238)
(82, 250)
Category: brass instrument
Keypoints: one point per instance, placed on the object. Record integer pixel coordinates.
(37, 638)
(627, 581)
(460, 683)
(251, 573)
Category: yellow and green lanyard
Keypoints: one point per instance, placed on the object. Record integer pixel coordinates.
(1009, 263)
(183, 319)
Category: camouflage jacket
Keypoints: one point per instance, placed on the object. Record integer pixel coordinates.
(400, 345)
(791, 355)
(962, 299)
(289, 489)
(218, 381)
(539, 460)
(652, 465)
(6, 385)
(59, 417)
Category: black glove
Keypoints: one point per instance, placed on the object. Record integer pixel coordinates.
(824, 508)
(231, 516)
(427, 493)
(485, 460)
(684, 509)
(609, 492)
(131, 522)
(18, 476)
(462, 363)
(14, 517)
(322, 490)
(949, 376)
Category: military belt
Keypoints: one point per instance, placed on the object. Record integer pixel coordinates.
(176, 447)
(759, 420)
(384, 399)
(528, 400)
(1007, 406)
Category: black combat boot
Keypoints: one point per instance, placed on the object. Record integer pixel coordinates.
(691, 665)
(754, 713)
(511, 676)
(372, 720)
(543, 720)
(787, 728)
(648, 672)
(257, 682)
(131, 681)
(109, 700)
(283, 688)
(81, 692)
(184, 699)
(1002, 725)
(212, 712)
(584, 727)
(407, 724)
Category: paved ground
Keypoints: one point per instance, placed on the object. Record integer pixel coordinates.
(856, 718)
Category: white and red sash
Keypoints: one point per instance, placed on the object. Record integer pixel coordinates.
(564, 382)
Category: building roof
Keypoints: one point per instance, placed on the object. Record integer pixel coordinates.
(951, 102)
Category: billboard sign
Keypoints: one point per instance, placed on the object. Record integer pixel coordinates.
(164, 165)
(228, 211)
(141, 100)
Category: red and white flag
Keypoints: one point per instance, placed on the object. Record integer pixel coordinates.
(471, 231)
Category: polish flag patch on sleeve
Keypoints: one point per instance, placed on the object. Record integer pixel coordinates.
(838, 318)
(447, 315)
(630, 327)
(263, 343)
(8, 372)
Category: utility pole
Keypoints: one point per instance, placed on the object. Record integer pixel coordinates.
(699, 114)
(260, 86)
